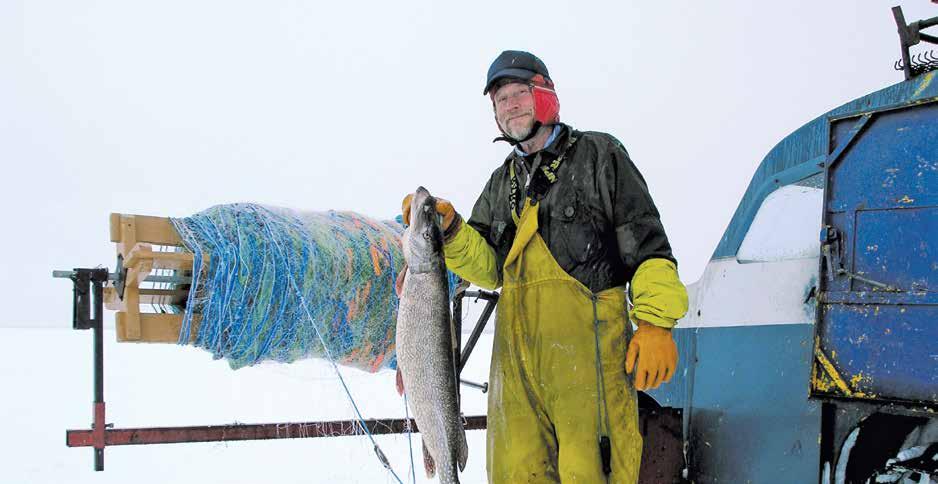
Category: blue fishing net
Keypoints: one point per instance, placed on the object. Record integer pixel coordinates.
(276, 279)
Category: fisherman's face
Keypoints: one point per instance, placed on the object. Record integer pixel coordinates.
(514, 109)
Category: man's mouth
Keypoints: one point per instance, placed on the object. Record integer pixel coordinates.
(518, 116)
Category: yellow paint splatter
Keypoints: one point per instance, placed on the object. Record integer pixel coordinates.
(856, 379)
(924, 85)
(822, 384)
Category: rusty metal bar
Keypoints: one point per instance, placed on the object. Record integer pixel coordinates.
(233, 432)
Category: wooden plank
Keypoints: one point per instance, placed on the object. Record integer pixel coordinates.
(159, 260)
(128, 235)
(115, 226)
(155, 328)
(131, 313)
(147, 296)
(138, 267)
(111, 301)
(131, 229)
(156, 230)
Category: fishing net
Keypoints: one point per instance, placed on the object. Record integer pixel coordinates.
(278, 283)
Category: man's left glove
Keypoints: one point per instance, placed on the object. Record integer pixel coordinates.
(653, 348)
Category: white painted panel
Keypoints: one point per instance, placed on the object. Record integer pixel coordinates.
(787, 226)
(755, 294)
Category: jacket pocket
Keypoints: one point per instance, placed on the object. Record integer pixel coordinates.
(572, 227)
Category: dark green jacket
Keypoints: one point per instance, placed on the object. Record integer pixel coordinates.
(598, 219)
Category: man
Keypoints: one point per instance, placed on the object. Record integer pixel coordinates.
(562, 226)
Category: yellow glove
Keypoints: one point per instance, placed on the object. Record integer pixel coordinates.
(654, 349)
(443, 207)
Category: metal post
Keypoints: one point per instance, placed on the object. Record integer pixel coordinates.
(492, 299)
(99, 414)
(148, 277)
(88, 313)
(904, 40)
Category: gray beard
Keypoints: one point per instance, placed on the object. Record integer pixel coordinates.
(519, 134)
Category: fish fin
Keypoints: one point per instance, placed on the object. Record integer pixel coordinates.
(428, 464)
(463, 450)
(399, 283)
(399, 382)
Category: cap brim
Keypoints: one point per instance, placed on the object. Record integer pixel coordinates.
(512, 72)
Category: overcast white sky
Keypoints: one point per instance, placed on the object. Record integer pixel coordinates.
(167, 108)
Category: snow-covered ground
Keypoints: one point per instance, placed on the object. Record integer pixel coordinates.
(48, 385)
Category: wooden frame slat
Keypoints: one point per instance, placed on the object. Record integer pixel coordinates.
(154, 328)
(155, 230)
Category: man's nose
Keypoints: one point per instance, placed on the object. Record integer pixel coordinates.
(514, 103)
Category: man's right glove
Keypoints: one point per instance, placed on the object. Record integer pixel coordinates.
(443, 207)
(451, 223)
(656, 354)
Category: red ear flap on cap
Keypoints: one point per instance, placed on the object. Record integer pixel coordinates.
(546, 105)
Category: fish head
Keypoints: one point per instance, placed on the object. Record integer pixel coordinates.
(423, 239)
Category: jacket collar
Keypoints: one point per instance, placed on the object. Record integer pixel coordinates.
(551, 151)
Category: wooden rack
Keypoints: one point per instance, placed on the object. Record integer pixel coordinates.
(135, 236)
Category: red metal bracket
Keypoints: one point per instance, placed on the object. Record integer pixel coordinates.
(99, 436)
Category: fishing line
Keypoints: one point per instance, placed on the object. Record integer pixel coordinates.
(274, 284)
(361, 420)
(410, 444)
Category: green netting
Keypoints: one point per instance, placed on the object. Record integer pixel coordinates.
(343, 264)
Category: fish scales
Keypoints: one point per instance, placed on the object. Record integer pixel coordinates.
(425, 349)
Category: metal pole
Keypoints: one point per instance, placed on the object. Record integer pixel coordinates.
(238, 432)
(931, 22)
(148, 278)
(99, 414)
(903, 40)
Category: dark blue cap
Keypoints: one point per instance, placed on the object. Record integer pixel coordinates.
(516, 64)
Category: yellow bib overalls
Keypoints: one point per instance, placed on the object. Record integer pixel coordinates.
(548, 404)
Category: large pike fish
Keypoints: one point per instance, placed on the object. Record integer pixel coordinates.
(426, 352)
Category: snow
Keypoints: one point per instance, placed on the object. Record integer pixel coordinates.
(48, 389)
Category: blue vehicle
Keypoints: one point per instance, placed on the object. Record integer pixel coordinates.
(813, 357)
